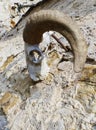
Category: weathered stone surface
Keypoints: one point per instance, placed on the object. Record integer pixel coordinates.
(51, 107)
(11, 12)
(87, 91)
(3, 121)
(9, 101)
(59, 100)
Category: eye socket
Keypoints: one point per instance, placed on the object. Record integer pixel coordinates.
(36, 56)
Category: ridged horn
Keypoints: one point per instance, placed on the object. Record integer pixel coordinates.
(46, 20)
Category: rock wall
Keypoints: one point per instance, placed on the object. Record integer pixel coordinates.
(61, 101)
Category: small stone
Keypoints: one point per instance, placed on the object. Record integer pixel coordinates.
(61, 66)
(65, 65)
(53, 58)
(94, 108)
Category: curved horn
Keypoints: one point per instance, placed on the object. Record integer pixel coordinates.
(46, 20)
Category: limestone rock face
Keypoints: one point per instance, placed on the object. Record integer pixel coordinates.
(64, 100)
(12, 11)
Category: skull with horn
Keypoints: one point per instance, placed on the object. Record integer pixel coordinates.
(46, 20)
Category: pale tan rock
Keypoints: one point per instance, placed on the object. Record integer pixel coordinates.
(94, 108)
(9, 101)
(53, 58)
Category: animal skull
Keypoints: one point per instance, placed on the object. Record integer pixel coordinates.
(46, 20)
(37, 60)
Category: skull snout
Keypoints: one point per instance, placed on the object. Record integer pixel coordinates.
(35, 55)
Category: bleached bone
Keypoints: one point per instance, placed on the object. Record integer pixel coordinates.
(46, 20)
